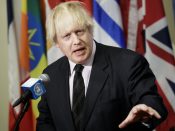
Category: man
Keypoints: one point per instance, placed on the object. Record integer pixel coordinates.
(113, 89)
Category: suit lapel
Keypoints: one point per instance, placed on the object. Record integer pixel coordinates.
(62, 96)
(96, 84)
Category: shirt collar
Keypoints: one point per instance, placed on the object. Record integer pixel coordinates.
(88, 63)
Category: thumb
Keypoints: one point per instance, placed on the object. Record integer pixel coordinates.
(125, 123)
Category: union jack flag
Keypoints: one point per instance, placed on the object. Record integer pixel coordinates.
(153, 41)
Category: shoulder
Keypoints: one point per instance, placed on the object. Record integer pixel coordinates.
(58, 64)
(118, 53)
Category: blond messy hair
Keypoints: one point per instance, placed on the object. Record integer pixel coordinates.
(66, 15)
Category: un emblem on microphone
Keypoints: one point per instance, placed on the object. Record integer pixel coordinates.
(38, 89)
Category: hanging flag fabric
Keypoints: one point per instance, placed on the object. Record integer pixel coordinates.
(108, 28)
(13, 66)
(158, 51)
(24, 47)
(14, 77)
(36, 39)
(27, 121)
(153, 41)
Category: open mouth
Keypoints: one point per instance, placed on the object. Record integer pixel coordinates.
(79, 51)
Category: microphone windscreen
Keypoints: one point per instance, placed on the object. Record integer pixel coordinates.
(44, 78)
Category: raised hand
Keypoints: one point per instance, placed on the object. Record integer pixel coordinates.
(140, 112)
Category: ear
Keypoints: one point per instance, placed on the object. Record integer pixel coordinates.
(90, 29)
(56, 42)
(57, 45)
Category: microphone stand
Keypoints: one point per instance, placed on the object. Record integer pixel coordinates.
(21, 115)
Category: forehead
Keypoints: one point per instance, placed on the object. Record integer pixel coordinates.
(67, 28)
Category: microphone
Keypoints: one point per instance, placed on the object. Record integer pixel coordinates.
(33, 88)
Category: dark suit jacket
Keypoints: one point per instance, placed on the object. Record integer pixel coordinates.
(119, 80)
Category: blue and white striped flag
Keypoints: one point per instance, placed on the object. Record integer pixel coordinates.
(108, 28)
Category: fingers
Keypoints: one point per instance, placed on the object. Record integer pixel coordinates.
(144, 110)
(126, 122)
(129, 119)
(153, 112)
(139, 112)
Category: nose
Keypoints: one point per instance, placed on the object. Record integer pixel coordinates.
(76, 39)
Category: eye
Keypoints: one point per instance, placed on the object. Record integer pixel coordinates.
(80, 32)
(67, 36)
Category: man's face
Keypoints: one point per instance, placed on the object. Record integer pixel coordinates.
(76, 44)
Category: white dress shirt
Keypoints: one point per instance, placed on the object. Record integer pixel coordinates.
(85, 73)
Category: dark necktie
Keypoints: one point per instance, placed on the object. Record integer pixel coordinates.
(78, 95)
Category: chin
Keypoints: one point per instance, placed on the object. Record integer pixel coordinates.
(80, 61)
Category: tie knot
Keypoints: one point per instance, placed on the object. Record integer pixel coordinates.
(78, 68)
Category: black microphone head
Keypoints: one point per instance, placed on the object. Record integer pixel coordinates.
(44, 78)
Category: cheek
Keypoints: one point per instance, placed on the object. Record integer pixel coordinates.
(63, 46)
(66, 50)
